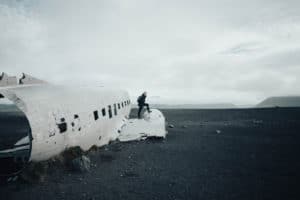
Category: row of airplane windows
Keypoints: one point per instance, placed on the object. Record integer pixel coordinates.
(117, 106)
(62, 126)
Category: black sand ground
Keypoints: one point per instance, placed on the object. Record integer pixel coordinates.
(210, 154)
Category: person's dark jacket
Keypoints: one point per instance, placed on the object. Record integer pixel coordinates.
(141, 100)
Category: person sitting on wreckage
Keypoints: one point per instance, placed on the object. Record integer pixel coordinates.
(141, 103)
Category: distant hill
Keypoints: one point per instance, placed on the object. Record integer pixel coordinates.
(193, 106)
(285, 101)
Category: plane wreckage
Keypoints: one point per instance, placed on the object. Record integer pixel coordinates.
(51, 119)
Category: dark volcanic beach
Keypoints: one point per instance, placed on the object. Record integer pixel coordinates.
(209, 154)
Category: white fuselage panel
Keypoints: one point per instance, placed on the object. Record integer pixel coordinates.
(64, 117)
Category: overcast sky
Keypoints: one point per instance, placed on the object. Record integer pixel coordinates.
(188, 51)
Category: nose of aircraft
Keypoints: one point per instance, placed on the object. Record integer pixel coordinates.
(15, 140)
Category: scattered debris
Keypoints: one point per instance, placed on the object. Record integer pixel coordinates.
(129, 174)
(81, 164)
(218, 131)
(171, 126)
(105, 157)
(93, 149)
(70, 154)
(257, 121)
(226, 123)
(12, 179)
(35, 172)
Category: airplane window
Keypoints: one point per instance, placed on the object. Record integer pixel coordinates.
(115, 109)
(103, 112)
(1, 96)
(119, 106)
(76, 116)
(109, 112)
(96, 116)
(125, 103)
(122, 104)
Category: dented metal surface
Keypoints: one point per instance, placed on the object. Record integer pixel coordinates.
(151, 125)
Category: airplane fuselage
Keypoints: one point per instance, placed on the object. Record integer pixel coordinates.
(61, 117)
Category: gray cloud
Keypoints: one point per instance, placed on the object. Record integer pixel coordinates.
(182, 51)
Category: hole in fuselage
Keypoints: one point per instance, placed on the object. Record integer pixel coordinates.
(14, 127)
(62, 127)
